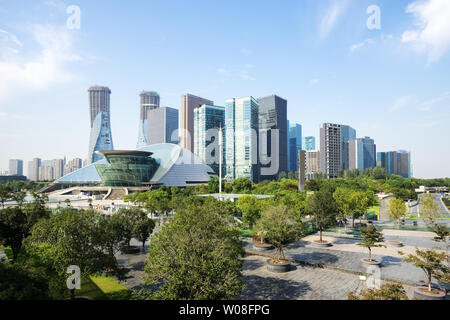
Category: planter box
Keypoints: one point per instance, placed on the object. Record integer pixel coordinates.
(395, 243)
(424, 295)
(279, 268)
(371, 262)
(321, 244)
(262, 248)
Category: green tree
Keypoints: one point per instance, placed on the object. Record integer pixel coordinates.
(387, 291)
(371, 238)
(213, 185)
(280, 227)
(242, 185)
(323, 208)
(143, 228)
(345, 201)
(4, 195)
(19, 197)
(430, 208)
(250, 208)
(430, 261)
(196, 256)
(125, 221)
(397, 209)
(442, 235)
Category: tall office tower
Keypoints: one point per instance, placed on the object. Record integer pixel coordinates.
(15, 167)
(347, 134)
(309, 143)
(45, 173)
(162, 125)
(58, 168)
(188, 103)
(330, 149)
(301, 169)
(241, 135)
(312, 163)
(272, 116)
(295, 145)
(362, 153)
(395, 162)
(100, 138)
(149, 100)
(207, 122)
(33, 169)
(73, 165)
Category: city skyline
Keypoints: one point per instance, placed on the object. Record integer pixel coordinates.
(330, 68)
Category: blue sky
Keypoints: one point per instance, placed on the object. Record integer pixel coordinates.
(392, 84)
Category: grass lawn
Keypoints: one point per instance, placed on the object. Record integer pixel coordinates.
(103, 288)
(374, 209)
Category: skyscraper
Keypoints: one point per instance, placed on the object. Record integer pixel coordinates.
(330, 149)
(295, 145)
(395, 162)
(15, 167)
(188, 103)
(309, 143)
(58, 168)
(241, 135)
(312, 163)
(73, 165)
(347, 134)
(149, 100)
(162, 125)
(100, 138)
(208, 119)
(362, 153)
(33, 169)
(273, 116)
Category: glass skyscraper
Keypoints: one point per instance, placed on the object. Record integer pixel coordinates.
(241, 135)
(395, 162)
(347, 134)
(309, 143)
(210, 118)
(362, 153)
(100, 137)
(149, 100)
(295, 145)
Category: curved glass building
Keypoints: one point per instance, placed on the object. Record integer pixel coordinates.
(149, 101)
(100, 138)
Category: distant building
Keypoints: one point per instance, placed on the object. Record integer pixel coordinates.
(58, 168)
(347, 134)
(33, 169)
(395, 162)
(312, 163)
(162, 125)
(330, 149)
(301, 169)
(15, 167)
(100, 137)
(362, 153)
(149, 100)
(45, 173)
(188, 103)
(295, 145)
(206, 119)
(272, 116)
(241, 135)
(309, 143)
(72, 165)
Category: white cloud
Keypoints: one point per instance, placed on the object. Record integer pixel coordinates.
(45, 69)
(314, 82)
(401, 103)
(332, 16)
(359, 45)
(432, 33)
(428, 105)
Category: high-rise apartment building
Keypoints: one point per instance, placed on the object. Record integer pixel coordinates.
(241, 135)
(395, 162)
(45, 173)
(73, 165)
(207, 122)
(33, 169)
(273, 133)
(330, 149)
(295, 145)
(362, 153)
(15, 167)
(58, 168)
(149, 100)
(188, 103)
(309, 143)
(100, 137)
(347, 134)
(162, 125)
(312, 163)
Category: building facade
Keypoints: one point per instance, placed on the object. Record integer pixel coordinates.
(149, 100)
(272, 143)
(207, 122)
(73, 165)
(188, 103)
(330, 149)
(100, 137)
(347, 134)
(162, 125)
(395, 162)
(362, 153)
(295, 145)
(301, 169)
(33, 169)
(241, 135)
(58, 168)
(312, 163)
(309, 143)
(15, 167)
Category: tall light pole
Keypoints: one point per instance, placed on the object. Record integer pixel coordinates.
(220, 162)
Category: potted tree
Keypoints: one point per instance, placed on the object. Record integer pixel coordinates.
(259, 243)
(443, 235)
(371, 238)
(430, 261)
(322, 207)
(281, 227)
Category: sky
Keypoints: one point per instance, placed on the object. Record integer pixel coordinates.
(391, 82)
